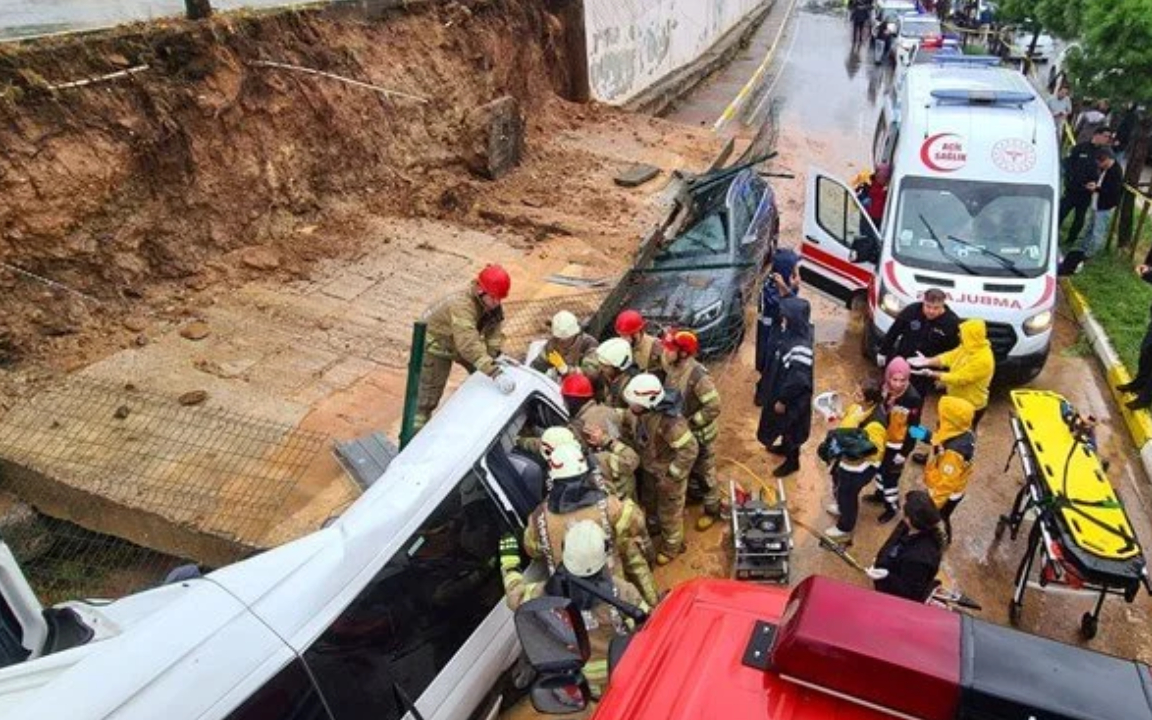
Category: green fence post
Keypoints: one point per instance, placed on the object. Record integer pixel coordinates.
(415, 360)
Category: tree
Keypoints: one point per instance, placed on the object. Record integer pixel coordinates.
(1116, 63)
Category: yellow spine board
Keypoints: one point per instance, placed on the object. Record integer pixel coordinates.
(1050, 441)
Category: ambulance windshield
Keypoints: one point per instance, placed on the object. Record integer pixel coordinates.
(973, 227)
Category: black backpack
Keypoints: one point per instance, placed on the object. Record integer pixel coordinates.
(845, 444)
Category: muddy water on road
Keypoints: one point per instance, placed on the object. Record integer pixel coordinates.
(828, 97)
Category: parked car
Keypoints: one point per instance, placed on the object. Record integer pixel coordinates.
(885, 17)
(911, 31)
(1020, 40)
(704, 273)
(400, 594)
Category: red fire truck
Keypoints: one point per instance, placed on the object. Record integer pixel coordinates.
(726, 650)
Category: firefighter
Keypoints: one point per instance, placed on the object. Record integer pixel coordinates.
(575, 493)
(684, 374)
(548, 441)
(584, 555)
(464, 327)
(949, 466)
(851, 475)
(656, 427)
(630, 325)
(616, 461)
(569, 349)
(614, 360)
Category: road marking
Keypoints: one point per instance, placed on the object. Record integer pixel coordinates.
(730, 111)
(776, 78)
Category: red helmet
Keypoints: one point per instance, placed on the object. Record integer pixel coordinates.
(629, 322)
(576, 385)
(494, 281)
(682, 340)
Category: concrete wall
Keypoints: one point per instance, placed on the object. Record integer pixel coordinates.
(634, 43)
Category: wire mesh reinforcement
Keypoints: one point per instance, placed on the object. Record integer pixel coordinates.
(528, 320)
(193, 482)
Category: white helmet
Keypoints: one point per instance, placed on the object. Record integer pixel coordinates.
(585, 548)
(644, 390)
(554, 437)
(615, 352)
(565, 325)
(566, 462)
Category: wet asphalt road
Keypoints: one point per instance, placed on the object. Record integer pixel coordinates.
(826, 97)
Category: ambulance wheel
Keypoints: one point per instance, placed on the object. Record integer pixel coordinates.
(1014, 613)
(1088, 626)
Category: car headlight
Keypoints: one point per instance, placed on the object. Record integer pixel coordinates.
(889, 303)
(708, 315)
(1038, 323)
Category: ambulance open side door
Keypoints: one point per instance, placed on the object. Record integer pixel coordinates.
(841, 246)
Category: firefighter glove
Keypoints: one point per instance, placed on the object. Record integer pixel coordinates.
(509, 553)
(556, 360)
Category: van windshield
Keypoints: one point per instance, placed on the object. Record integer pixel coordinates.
(974, 227)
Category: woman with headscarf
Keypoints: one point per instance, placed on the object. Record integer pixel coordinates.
(965, 372)
(850, 475)
(787, 411)
(907, 563)
(953, 447)
(782, 282)
(902, 404)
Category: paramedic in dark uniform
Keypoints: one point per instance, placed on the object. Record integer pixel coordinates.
(928, 327)
(907, 563)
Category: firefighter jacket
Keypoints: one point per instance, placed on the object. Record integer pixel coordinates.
(611, 392)
(949, 467)
(460, 328)
(603, 622)
(576, 352)
(618, 464)
(587, 498)
(663, 439)
(701, 398)
(903, 412)
(970, 366)
(873, 422)
(646, 354)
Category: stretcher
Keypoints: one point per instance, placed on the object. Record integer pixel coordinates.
(1081, 537)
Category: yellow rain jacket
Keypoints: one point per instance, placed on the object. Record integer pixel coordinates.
(871, 420)
(970, 366)
(949, 468)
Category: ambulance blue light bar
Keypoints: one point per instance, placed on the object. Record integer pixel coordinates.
(983, 97)
(971, 60)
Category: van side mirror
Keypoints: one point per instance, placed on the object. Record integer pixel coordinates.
(555, 641)
(560, 694)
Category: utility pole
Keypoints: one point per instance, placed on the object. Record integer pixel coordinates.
(198, 9)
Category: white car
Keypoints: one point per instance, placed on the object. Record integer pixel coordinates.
(401, 596)
(911, 30)
(1021, 40)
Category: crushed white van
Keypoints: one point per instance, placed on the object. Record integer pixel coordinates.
(972, 210)
(400, 597)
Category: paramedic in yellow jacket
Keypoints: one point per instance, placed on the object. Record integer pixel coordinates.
(584, 556)
(465, 327)
(949, 466)
(574, 494)
(851, 475)
(684, 374)
(965, 372)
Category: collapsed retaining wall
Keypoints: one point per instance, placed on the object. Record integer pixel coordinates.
(633, 45)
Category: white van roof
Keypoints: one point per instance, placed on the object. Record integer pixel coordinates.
(189, 645)
(967, 119)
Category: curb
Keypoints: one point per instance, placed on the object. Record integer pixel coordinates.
(1138, 422)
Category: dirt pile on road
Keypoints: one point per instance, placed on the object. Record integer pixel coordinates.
(201, 160)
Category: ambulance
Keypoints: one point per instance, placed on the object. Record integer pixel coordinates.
(972, 210)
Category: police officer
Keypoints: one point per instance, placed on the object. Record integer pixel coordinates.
(656, 427)
(928, 327)
(464, 327)
(684, 374)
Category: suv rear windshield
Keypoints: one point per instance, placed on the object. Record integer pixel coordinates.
(919, 28)
(980, 228)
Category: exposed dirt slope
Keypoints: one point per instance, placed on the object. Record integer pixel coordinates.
(115, 187)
